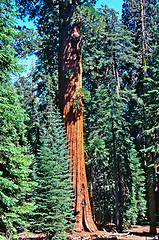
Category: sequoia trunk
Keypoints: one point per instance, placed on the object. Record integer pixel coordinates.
(70, 83)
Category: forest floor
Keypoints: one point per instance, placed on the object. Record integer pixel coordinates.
(136, 232)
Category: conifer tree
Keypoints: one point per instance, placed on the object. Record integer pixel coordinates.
(26, 88)
(54, 189)
(102, 153)
(7, 34)
(142, 23)
(111, 65)
(15, 162)
(14, 156)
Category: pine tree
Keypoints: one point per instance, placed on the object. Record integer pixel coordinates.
(108, 143)
(114, 58)
(15, 159)
(143, 21)
(54, 189)
(101, 39)
(7, 34)
(15, 162)
(26, 88)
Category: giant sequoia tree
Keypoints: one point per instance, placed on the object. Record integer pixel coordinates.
(70, 93)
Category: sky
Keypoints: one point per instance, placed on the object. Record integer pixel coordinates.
(116, 4)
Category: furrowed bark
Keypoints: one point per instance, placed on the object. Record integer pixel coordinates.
(70, 82)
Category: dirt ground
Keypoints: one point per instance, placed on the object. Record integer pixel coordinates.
(136, 232)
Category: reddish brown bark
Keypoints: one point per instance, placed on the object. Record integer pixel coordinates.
(70, 63)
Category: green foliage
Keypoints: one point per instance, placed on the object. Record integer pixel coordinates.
(130, 174)
(150, 112)
(68, 74)
(7, 34)
(14, 162)
(103, 45)
(15, 159)
(108, 64)
(53, 192)
(81, 95)
(26, 89)
(27, 42)
(142, 20)
(145, 116)
(46, 71)
(14, 41)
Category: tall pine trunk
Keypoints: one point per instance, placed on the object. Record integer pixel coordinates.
(120, 189)
(117, 213)
(70, 82)
(150, 170)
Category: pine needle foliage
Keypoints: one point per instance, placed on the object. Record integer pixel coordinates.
(15, 158)
(131, 185)
(8, 62)
(54, 191)
(14, 162)
(142, 18)
(108, 62)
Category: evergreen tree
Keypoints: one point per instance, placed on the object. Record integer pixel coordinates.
(104, 45)
(26, 88)
(15, 162)
(15, 159)
(54, 190)
(7, 34)
(143, 21)
(109, 144)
